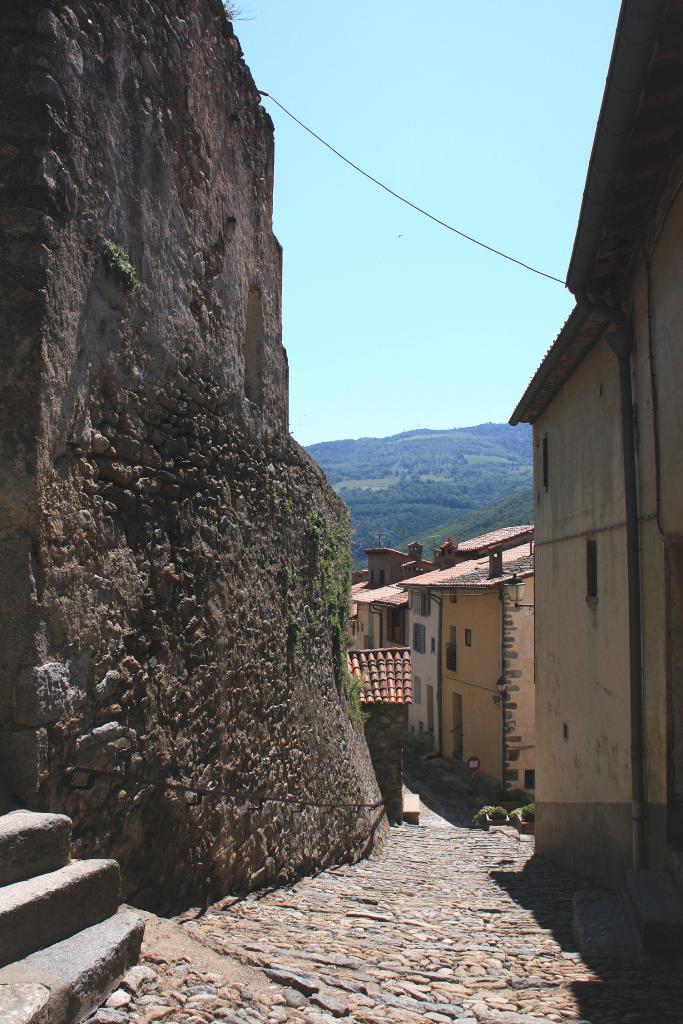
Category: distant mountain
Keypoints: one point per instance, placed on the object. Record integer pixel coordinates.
(431, 482)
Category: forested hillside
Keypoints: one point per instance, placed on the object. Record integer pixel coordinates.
(428, 483)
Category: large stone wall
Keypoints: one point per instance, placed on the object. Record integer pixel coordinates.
(172, 565)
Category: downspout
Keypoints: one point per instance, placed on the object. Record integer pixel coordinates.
(439, 685)
(502, 695)
(620, 340)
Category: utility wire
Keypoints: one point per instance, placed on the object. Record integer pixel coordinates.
(425, 213)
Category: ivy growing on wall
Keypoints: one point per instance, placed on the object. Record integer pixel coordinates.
(334, 546)
(119, 266)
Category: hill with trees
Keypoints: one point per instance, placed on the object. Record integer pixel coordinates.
(431, 483)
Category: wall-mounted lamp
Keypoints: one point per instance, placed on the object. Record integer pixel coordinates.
(514, 591)
(500, 686)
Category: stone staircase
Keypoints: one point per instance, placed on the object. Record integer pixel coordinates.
(63, 944)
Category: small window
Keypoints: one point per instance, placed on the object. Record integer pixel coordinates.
(544, 460)
(381, 577)
(452, 650)
(425, 603)
(565, 731)
(453, 597)
(529, 778)
(433, 651)
(419, 637)
(468, 638)
(591, 571)
(417, 690)
(372, 575)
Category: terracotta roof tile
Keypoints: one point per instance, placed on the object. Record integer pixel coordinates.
(475, 571)
(487, 540)
(386, 675)
(392, 595)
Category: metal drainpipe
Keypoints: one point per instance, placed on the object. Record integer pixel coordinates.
(439, 688)
(502, 695)
(620, 340)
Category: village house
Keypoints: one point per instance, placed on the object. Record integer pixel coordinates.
(423, 632)
(606, 406)
(385, 677)
(378, 606)
(484, 654)
(378, 617)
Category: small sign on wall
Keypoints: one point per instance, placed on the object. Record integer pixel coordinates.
(473, 764)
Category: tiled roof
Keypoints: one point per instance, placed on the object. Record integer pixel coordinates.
(392, 595)
(386, 675)
(422, 563)
(487, 540)
(581, 331)
(475, 571)
(385, 551)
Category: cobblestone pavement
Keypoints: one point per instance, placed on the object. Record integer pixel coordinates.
(449, 924)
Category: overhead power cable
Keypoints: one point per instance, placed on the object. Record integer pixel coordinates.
(402, 199)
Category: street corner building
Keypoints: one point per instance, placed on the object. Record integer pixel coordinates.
(606, 406)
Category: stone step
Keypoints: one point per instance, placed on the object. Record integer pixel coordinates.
(657, 908)
(677, 868)
(604, 928)
(32, 844)
(39, 912)
(65, 982)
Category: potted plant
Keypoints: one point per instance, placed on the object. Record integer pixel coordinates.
(490, 815)
(524, 818)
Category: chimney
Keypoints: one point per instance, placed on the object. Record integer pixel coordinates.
(495, 564)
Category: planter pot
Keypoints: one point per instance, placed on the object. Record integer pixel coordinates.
(525, 828)
(496, 821)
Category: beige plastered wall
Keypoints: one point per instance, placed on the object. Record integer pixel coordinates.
(658, 328)
(582, 696)
(520, 701)
(478, 669)
(425, 668)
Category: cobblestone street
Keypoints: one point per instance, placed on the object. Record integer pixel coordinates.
(449, 923)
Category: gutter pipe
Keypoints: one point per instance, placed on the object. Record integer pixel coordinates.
(620, 340)
(439, 684)
(503, 668)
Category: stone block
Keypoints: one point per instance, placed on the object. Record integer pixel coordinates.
(603, 926)
(32, 844)
(24, 1003)
(49, 697)
(23, 761)
(657, 908)
(411, 808)
(78, 972)
(39, 912)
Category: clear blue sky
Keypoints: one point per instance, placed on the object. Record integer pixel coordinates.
(484, 114)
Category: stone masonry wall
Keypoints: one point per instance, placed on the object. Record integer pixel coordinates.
(172, 565)
(385, 729)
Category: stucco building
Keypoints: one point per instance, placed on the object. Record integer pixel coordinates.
(423, 636)
(378, 606)
(607, 409)
(378, 617)
(483, 662)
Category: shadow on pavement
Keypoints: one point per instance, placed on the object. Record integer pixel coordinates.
(444, 787)
(645, 991)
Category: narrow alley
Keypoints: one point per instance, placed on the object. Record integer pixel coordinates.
(449, 923)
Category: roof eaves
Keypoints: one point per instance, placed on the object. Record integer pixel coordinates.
(634, 43)
(583, 328)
